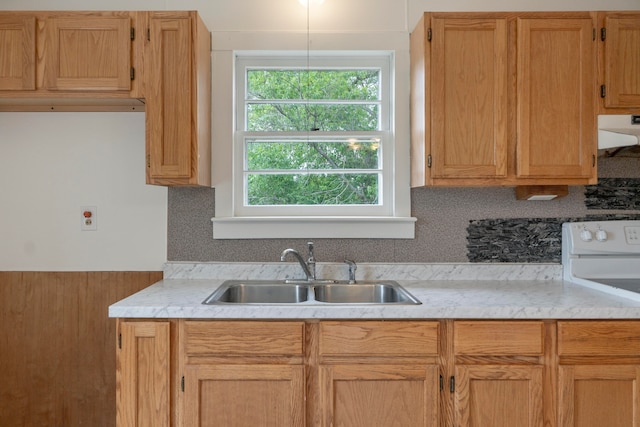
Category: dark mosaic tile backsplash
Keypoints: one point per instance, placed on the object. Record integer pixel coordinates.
(521, 240)
(539, 240)
(614, 193)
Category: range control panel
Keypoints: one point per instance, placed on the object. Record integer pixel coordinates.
(632, 234)
(602, 237)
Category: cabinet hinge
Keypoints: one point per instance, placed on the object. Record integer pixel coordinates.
(452, 384)
(603, 91)
(132, 73)
(120, 341)
(429, 34)
(182, 383)
(429, 161)
(603, 34)
(132, 33)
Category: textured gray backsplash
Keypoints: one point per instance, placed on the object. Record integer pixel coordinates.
(453, 225)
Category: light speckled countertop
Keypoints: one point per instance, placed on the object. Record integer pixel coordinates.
(478, 291)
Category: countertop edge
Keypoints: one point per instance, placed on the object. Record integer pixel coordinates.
(441, 299)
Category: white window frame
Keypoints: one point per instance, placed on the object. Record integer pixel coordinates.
(355, 60)
(229, 223)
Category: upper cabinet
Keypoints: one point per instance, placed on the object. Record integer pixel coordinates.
(158, 62)
(503, 99)
(619, 68)
(17, 52)
(88, 53)
(178, 95)
(69, 61)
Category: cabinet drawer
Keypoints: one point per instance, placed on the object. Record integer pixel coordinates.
(599, 338)
(497, 338)
(378, 338)
(243, 338)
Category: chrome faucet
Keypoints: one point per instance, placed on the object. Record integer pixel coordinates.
(309, 267)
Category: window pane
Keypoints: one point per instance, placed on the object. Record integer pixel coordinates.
(313, 155)
(272, 84)
(312, 189)
(283, 117)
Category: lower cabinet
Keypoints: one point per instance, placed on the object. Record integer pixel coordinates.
(375, 373)
(599, 373)
(498, 373)
(244, 395)
(240, 373)
(143, 374)
(182, 373)
(499, 396)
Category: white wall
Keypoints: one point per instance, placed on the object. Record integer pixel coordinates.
(52, 163)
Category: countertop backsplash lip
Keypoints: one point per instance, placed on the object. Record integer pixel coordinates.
(365, 271)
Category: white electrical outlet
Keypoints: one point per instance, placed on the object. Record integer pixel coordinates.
(89, 218)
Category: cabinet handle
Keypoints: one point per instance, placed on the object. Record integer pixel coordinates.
(452, 384)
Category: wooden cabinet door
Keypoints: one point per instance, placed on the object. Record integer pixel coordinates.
(555, 98)
(595, 396)
(378, 373)
(498, 377)
(379, 395)
(498, 396)
(169, 98)
(143, 375)
(599, 373)
(244, 395)
(621, 60)
(469, 98)
(88, 53)
(17, 52)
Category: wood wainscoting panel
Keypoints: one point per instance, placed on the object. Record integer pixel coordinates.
(57, 346)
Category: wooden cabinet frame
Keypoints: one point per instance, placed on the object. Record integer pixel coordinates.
(454, 372)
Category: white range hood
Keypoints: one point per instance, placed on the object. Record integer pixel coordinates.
(618, 130)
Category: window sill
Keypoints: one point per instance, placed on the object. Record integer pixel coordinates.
(314, 227)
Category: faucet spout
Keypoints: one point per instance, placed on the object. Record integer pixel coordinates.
(298, 257)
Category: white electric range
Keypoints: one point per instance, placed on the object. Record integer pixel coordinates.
(603, 255)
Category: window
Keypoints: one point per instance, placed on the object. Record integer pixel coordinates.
(313, 146)
(312, 135)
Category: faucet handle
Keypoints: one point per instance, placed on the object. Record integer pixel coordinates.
(352, 270)
(311, 256)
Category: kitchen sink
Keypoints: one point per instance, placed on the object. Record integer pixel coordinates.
(259, 292)
(263, 292)
(364, 293)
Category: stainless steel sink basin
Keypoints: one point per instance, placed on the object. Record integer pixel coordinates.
(259, 292)
(364, 293)
(321, 292)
